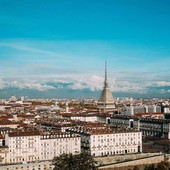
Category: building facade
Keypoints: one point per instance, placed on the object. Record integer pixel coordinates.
(149, 126)
(106, 141)
(34, 146)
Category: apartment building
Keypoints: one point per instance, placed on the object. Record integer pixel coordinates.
(108, 141)
(35, 146)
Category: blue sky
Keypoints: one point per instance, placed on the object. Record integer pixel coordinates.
(67, 41)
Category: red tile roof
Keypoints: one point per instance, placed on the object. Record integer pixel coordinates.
(26, 133)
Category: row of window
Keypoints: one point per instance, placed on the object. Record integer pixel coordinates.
(117, 135)
(116, 140)
(40, 167)
(115, 152)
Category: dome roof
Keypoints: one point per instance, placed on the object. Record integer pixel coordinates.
(106, 96)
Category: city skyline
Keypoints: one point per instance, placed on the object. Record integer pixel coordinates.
(60, 47)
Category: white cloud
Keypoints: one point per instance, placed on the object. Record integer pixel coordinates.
(88, 82)
(25, 84)
(31, 85)
(162, 83)
(2, 84)
(121, 83)
(94, 82)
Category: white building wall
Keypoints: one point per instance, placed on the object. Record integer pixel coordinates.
(120, 143)
(55, 147)
(39, 148)
(81, 118)
(85, 118)
(132, 110)
(91, 119)
(166, 110)
(23, 149)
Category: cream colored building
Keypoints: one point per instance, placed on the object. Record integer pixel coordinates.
(33, 146)
(106, 141)
(55, 145)
(115, 143)
(85, 117)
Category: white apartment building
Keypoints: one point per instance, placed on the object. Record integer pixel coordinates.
(90, 117)
(34, 146)
(23, 147)
(55, 145)
(85, 117)
(115, 143)
(132, 110)
(100, 142)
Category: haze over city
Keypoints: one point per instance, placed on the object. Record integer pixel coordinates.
(58, 48)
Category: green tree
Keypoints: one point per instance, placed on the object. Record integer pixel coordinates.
(163, 166)
(82, 161)
(136, 168)
(160, 166)
(150, 167)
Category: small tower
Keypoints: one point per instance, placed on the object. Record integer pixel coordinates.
(67, 107)
(106, 100)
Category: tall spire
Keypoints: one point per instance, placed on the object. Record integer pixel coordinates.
(106, 100)
(105, 81)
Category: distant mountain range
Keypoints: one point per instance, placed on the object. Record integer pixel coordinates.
(64, 91)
